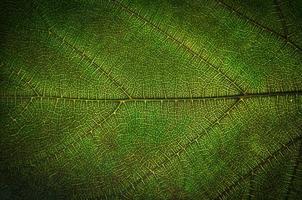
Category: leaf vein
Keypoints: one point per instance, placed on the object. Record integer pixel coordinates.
(296, 165)
(281, 17)
(258, 25)
(183, 148)
(83, 55)
(82, 136)
(177, 41)
(157, 99)
(259, 166)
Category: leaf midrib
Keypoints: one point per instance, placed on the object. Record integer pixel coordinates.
(159, 99)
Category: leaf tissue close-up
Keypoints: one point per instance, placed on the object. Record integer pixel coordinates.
(141, 99)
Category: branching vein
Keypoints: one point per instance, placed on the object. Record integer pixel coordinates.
(84, 55)
(183, 148)
(281, 18)
(259, 166)
(258, 25)
(293, 175)
(178, 42)
(90, 132)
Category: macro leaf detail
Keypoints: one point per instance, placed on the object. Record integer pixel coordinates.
(163, 99)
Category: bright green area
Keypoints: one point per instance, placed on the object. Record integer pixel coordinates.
(150, 99)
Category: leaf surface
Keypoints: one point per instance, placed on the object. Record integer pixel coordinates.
(151, 99)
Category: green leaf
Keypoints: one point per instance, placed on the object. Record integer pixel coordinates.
(163, 99)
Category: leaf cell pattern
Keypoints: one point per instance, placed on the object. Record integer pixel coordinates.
(118, 99)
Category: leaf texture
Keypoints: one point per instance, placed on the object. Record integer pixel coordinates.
(163, 99)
